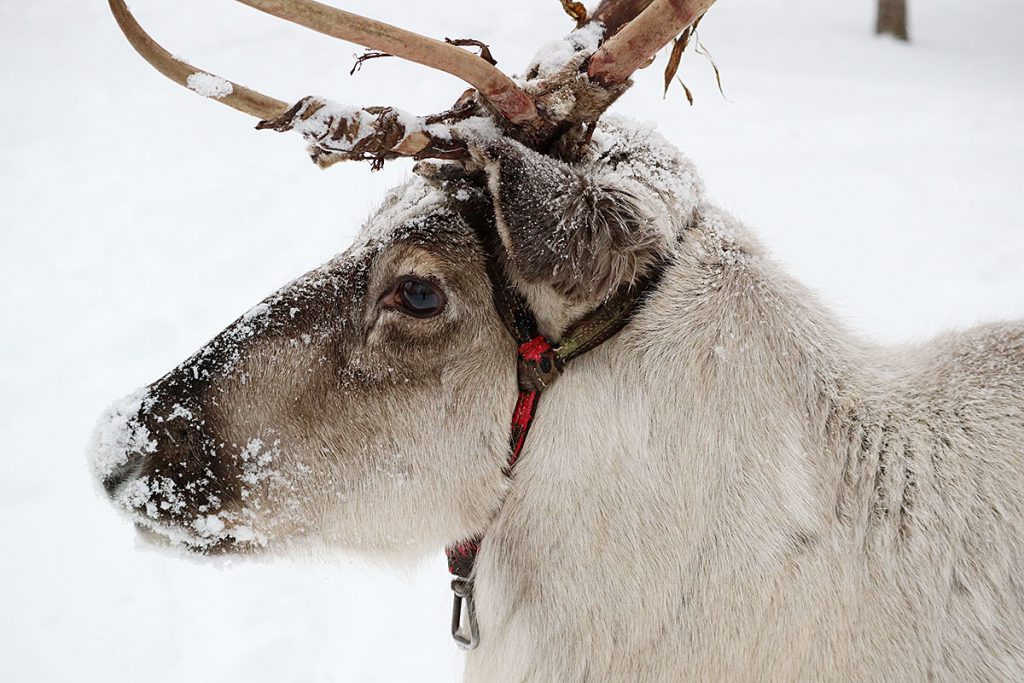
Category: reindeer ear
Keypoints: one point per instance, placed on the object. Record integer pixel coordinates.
(582, 229)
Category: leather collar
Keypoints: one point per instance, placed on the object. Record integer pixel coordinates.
(539, 363)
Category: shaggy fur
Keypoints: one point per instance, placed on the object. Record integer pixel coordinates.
(583, 231)
(737, 489)
(733, 488)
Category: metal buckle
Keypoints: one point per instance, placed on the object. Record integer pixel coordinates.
(463, 590)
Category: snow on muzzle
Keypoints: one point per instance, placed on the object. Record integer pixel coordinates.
(158, 462)
(160, 458)
(216, 455)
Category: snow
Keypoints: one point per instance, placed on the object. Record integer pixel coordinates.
(181, 411)
(316, 127)
(555, 55)
(118, 434)
(260, 310)
(121, 436)
(209, 85)
(147, 219)
(650, 160)
(478, 129)
(210, 524)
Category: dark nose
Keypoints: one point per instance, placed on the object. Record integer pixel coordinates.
(160, 435)
(124, 472)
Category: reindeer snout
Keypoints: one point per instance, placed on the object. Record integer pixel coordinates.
(120, 474)
(150, 449)
(120, 442)
(156, 457)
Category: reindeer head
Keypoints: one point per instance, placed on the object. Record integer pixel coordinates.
(365, 405)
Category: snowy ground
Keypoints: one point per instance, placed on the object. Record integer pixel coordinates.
(136, 220)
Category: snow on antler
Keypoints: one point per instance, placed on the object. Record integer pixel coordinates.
(555, 107)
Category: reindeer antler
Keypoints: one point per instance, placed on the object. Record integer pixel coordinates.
(499, 90)
(640, 39)
(232, 94)
(535, 112)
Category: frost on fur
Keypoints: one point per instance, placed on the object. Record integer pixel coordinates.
(734, 487)
(588, 228)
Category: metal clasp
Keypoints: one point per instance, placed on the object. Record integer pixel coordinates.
(470, 638)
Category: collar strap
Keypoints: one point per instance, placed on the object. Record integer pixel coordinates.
(539, 362)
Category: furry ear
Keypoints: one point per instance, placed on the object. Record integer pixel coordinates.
(582, 229)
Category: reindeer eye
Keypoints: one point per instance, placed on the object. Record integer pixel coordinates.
(419, 298)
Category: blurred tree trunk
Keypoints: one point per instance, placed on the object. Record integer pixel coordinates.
(892, 19)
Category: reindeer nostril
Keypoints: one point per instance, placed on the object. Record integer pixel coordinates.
(113, 481)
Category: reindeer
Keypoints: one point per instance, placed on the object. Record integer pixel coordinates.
(721, 482)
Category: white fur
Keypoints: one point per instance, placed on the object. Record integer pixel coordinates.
(732, 488)
(735, 488)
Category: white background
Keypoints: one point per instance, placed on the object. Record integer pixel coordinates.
(137, 220)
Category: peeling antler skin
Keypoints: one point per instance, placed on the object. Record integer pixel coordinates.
(639, 40)
(376, 134)
(373, 133)
(554, 113)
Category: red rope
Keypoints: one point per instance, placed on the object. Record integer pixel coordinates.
(462, 555)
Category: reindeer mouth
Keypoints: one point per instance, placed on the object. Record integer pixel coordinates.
(238, 540)
(160, 523)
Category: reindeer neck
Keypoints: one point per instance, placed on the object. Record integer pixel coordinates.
(657, 461)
